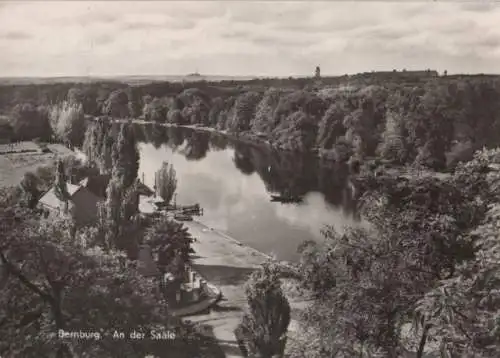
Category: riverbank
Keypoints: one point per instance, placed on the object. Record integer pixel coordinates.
(227, 263)
(326, 157)
(244, 137)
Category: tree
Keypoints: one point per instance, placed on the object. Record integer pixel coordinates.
(130, 201)
(263, 120)
(29, 185)
(215, 109)
(166, 182)
(196, 113)
(76, 169)
(117, 104)
(68, 122)
(315, 267)
(112, 213)
(463, 310)
(30, 122)
(368, 280)
(331, 126)
(51, 280)
(85, 96)
(174, 116)
(89, 144)
(61, 185)
(265, 323)
(105, 157)
(125, 156)
(98, 145)
(297, 132)
(394, 146)
(168, 240)
(244, 111)
(363, 122)
(156, 110)
(134, 105)
(119, 224)
(55, 283)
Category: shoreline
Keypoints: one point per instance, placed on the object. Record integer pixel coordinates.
(245, 137)
(231, 239)
(227, 263)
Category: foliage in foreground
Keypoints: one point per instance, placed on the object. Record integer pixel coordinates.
(464, 310)
(428, 256)
(54, 282)
(53, 278)
(264, 325)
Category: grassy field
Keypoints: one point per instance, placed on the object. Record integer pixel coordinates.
(20, 147)
(26, 157)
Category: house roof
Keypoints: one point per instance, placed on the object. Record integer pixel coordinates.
(51, 200)
(145, 190)
(97, 184)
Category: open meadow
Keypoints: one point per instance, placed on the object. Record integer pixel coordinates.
(17, 160)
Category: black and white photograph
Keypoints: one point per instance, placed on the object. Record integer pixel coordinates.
(262, 179)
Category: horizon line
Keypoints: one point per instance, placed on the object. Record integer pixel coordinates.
(103, 76)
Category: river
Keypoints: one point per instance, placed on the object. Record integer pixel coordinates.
(233, 182)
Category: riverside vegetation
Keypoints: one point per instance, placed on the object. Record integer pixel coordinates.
(58, 276)
(429, 259)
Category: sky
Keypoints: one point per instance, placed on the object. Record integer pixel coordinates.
(246, 38)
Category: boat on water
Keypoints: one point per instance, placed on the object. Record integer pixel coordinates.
(286, 199)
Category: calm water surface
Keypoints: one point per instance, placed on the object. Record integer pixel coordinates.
(233, 183)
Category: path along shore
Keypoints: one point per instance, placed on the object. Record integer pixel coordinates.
(226, 263)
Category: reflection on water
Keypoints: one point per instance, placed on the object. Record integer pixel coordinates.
(233, 181)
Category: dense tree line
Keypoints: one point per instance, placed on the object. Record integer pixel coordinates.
(405, 119)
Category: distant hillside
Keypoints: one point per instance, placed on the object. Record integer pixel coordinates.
(131, 80)
(137, 80)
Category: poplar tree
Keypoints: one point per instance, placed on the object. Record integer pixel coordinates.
(61, 186)
(166, 182)
(125, 156)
